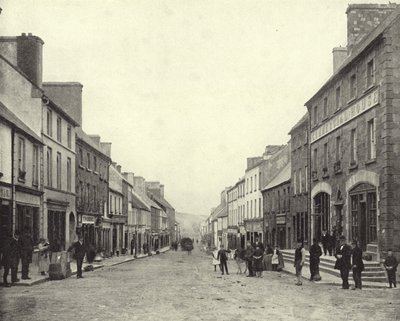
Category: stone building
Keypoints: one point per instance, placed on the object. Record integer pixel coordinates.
(355, 135)
(21, 148)
(91, 188)
(116, 200)
(277, 215)
(233, 216)
(300, 183)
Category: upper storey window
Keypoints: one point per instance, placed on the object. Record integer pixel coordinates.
(370, 73)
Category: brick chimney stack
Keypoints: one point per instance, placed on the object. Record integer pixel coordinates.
(339, 56)
(363, 18)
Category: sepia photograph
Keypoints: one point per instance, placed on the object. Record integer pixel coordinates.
(199, 160)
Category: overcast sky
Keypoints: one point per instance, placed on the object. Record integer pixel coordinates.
(185, 90)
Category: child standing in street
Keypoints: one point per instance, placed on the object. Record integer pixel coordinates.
(299, 259)
(391, 267)
(223, 258)
(215, 260)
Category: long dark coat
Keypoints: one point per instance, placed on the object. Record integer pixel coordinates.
(357, 259)
(345, 261)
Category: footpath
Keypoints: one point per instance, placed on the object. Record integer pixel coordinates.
(37, 278)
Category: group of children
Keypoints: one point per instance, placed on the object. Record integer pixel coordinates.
(252, 259)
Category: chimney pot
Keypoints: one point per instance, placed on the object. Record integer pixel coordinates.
(30, 34)
(23, 34)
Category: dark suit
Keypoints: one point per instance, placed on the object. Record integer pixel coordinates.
(344, 263)
(358, 266)
(249, 259)
(315, 253)
(80, 251)
(11, 256)
(260, 245)
(26, 244)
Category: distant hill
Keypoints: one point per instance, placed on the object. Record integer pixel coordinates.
(190, 224)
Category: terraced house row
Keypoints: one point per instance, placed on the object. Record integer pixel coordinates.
(59, 181)
(340, 171)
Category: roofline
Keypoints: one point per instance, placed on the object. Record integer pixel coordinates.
(48, 102)
(87, 144)
(21, 73)
(277, 185)
(359, 49)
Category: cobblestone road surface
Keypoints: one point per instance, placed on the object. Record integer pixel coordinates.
(177, 286)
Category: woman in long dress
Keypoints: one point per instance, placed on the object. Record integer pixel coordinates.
(215, 260)
(258, 261)
(43, 256)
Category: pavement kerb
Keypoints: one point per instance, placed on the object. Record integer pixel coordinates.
(95, 267)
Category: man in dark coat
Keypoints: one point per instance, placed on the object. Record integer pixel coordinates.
(249, 259)
(11, 256)
(343, 261)
(26, 244)
(79, 254)
(315, 253)
(357, 264)
(391, 267)
(325, 240)
(132, 246)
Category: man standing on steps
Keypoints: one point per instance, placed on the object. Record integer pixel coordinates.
(357, 264)
(79, 254)
(315, 253)
(343, 261)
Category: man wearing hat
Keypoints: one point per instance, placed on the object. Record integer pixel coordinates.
(343, 261)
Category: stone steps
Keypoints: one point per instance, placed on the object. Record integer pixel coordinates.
(373, 272)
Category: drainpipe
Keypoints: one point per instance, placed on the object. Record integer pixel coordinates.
(12, 182)
(310, 214)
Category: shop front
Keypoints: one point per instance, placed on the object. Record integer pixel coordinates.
(6, 221)
(254, 229)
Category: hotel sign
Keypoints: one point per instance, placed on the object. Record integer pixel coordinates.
(356, 109)
(87, 219)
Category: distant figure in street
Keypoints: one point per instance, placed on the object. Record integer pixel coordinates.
(223, 258)
(275, 258)
(145, 249)
(299, 259)
(239, 259)
(26, 244)
(79, 254)
(258, 261)
(315, 253)
(267, 259)
(259, 244)
(249, 259)
(357, 265)
(391, 267)
(11, 256)
(215, 261)
(43, 256)
(132, 246)
(343, 261)
(325, 240)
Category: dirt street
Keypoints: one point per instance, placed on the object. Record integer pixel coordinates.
(177, 286)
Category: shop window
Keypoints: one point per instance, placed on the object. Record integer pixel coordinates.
(353, 86)
(56, 230)
(59, 127)
(49, 123)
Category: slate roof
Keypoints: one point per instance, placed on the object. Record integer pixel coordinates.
(282, 177)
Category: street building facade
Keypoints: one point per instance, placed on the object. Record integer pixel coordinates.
(91, 189)
(354, 137)
(277, 213)
(299, 185)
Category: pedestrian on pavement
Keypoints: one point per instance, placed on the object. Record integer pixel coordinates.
(343, 261)
(325, 240)
(315, 253)
(249, 259)
(223, 258)
(26, 244)
(258, 261)
(357, 264)
(299, 259)
(267, 259)
(43, 256)
(11, 256)
(275, 258)
(79, 253)
(132, 246)
(215, 261)
(391, 267)
(239, 259)
(258, 243)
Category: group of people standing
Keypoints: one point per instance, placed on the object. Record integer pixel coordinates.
(255, 259)
(17, 247)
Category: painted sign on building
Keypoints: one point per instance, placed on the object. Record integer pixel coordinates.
(367, 102)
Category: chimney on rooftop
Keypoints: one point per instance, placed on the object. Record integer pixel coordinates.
(95, 139)
(339, 56)
(106, 148)
(363, 18)
(119, 167)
